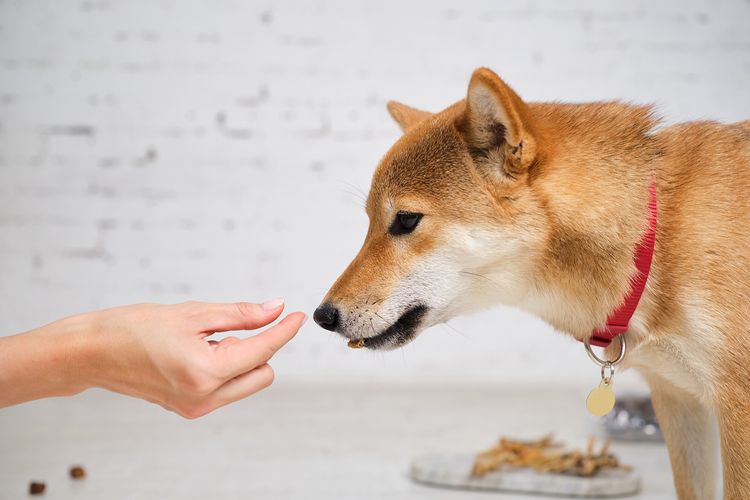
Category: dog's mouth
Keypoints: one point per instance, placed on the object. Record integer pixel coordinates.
(398, 334)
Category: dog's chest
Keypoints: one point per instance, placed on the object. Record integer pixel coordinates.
(668, 364)
(684, 358)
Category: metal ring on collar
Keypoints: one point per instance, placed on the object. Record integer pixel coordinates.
(601, 362)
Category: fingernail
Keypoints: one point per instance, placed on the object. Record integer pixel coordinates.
(304, 320)
(272, 305)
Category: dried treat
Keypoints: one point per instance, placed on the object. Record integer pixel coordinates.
(543, 455)
(36, 487)
(356, 344)
(77, 472)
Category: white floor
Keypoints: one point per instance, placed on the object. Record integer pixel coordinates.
(286, 443)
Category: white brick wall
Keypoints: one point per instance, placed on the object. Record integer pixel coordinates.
(167, 150)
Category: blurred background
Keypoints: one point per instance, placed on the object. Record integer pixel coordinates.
(221, 150)
(173, 150)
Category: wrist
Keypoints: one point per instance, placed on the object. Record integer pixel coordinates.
(64, 354)
(77, 360)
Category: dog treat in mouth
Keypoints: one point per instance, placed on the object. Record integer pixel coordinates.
(36, 487)
(77, 472)
(356, 344)
(545, 455)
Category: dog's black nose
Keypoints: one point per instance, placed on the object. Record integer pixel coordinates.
(327, 316)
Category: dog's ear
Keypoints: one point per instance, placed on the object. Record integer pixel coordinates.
(496, 123)
(406, 116)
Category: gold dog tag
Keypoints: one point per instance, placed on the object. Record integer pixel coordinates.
(601, 400)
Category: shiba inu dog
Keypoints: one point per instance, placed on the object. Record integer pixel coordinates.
(540, 205)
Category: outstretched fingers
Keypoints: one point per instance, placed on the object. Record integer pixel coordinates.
(244, 364)
(234, 368)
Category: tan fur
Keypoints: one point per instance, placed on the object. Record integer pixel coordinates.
(563, 189)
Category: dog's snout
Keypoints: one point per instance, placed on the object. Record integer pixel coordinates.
(327, 316)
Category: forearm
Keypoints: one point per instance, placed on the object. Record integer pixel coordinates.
(54, 360)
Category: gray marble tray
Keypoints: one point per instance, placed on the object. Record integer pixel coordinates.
(455, 472)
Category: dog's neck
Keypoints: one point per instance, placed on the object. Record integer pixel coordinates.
(619, 319)
(597, 203)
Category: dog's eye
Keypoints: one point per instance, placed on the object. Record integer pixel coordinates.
(404, 223)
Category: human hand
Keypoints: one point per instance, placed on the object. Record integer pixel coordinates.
(160, 353)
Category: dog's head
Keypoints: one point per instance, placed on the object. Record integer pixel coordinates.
(454, 226)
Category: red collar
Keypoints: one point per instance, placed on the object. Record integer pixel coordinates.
(617, 322)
